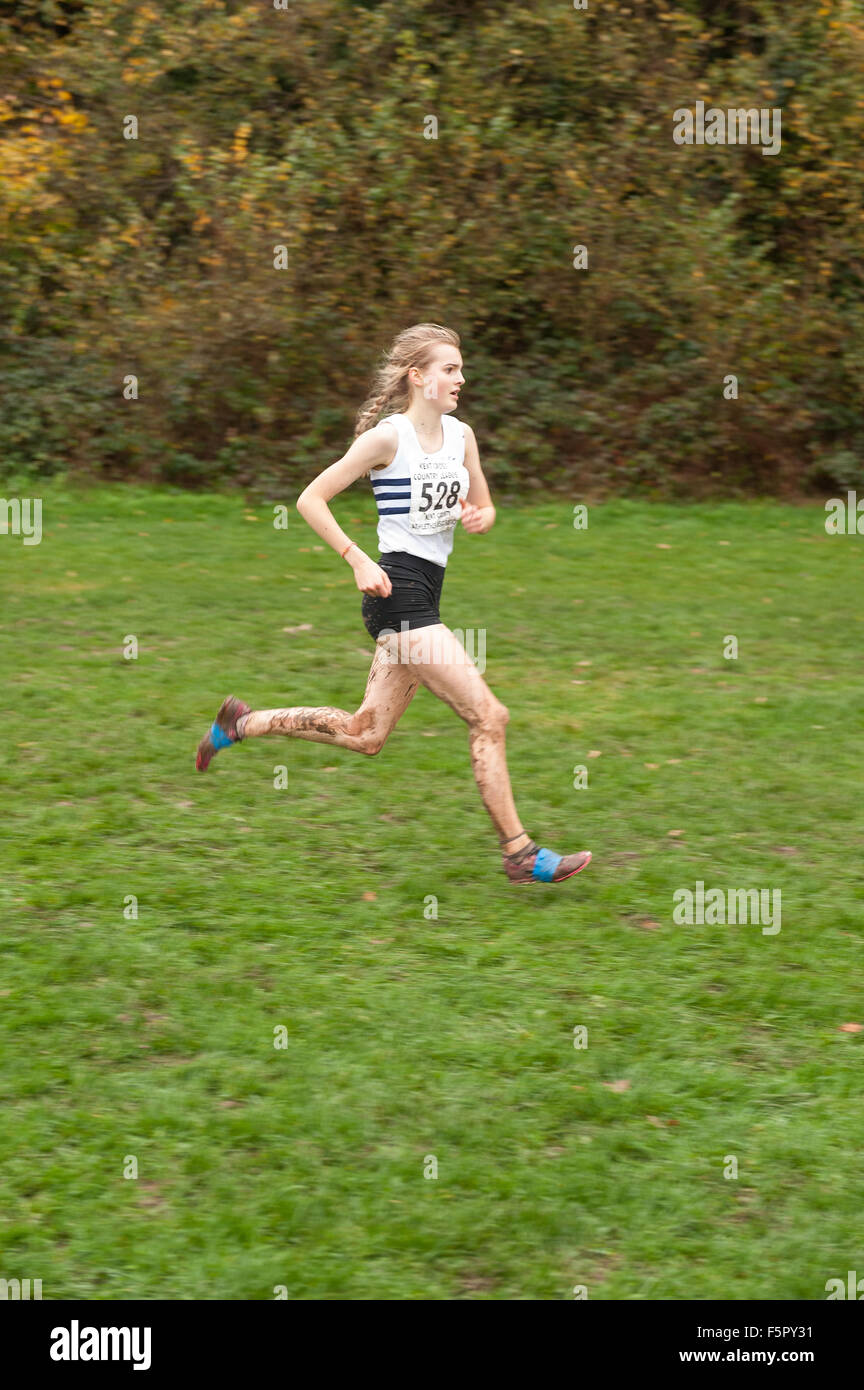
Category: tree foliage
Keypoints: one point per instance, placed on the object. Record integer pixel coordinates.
(303, 127)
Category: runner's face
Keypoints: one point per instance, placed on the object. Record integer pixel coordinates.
(441, 380)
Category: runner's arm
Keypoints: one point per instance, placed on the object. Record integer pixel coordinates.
(479, 496)
(371, 449)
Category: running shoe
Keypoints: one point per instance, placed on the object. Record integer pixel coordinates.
(222, 732)
(534, 865)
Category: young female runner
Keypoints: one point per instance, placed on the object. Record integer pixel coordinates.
(424, 466)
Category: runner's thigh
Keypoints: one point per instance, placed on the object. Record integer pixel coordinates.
(390, 688)
(441, 663)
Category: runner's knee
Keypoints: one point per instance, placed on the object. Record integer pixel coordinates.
(491, 716)
(372, 743)
(366, 732)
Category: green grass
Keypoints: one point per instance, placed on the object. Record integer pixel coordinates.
(409, 1036)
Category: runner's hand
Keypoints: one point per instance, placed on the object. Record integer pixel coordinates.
(371, 579)
(471, 518)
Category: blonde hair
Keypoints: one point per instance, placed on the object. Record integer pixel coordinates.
(390, 390)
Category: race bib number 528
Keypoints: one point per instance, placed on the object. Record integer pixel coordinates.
(435, 487)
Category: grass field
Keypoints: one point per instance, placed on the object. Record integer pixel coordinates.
(408, 1036)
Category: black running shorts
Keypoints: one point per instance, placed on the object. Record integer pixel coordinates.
(414, 598)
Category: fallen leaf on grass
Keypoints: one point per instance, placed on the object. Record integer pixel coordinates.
(477, 1283)
(149, 1195)
(851, 1027)
(303, 627)
(617, 1085)
(369, 897)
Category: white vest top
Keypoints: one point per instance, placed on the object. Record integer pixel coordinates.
(419, 495)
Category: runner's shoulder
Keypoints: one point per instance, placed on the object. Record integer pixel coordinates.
(384, 437)
(468, 434)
